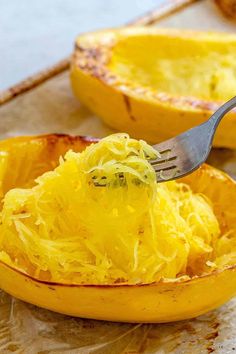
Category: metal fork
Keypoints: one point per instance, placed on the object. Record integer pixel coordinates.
(186, 152)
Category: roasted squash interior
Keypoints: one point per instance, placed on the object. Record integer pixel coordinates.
(23, 159)
(100, 218)
(180, 66)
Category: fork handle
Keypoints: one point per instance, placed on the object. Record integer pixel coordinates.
(216, 117)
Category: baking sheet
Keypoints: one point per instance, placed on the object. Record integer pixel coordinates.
(50, 107)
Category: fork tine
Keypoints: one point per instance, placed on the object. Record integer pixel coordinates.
(166, 159)
(165, 146)
(164, 151)
(165, 166)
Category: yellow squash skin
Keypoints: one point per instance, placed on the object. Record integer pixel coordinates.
(158, 302)
(156, 83)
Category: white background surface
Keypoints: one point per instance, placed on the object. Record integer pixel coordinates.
(36, 34)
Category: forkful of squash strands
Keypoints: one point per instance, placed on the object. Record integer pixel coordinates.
(178, 156)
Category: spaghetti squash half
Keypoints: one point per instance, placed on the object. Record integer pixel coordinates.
(100, 217)
(95, 236)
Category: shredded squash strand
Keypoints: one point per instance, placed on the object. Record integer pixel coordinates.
(101, 218)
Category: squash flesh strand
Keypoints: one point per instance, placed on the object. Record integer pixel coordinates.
(101, 218)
